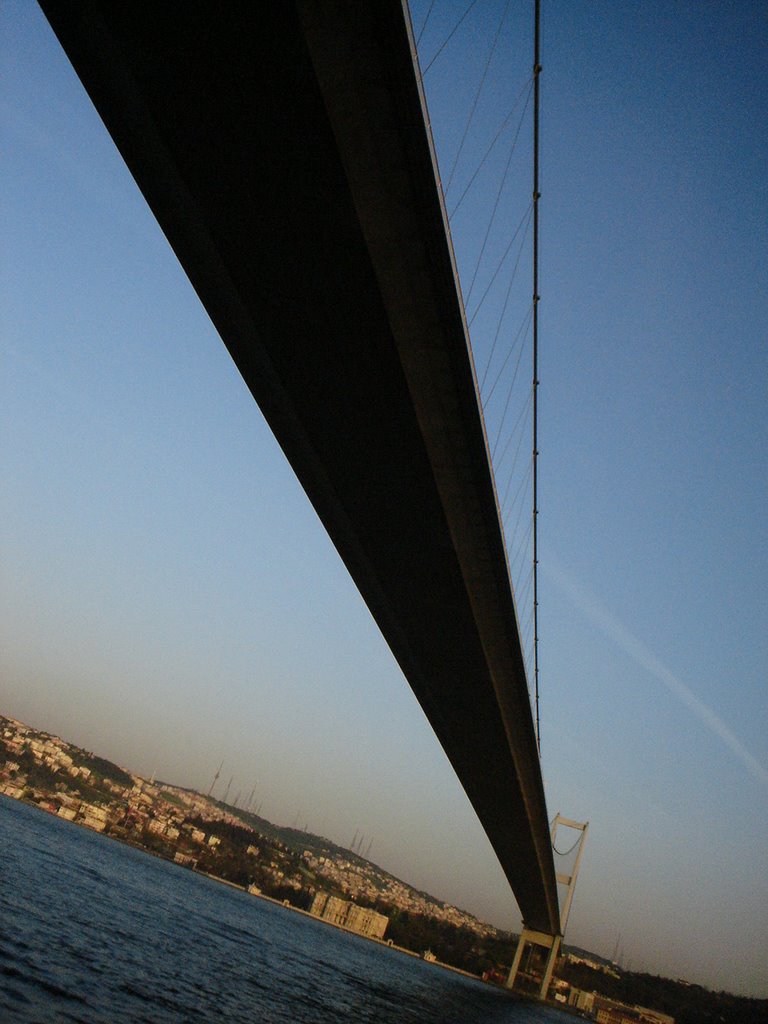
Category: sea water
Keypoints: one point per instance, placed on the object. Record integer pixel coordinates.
(92, 931)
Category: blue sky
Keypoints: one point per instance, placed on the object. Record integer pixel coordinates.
(169, 598)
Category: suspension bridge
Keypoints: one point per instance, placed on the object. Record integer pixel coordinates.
(284, 149)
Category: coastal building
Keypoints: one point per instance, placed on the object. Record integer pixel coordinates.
(609, 1011)
(94, 816)
(366, 922)
(581, 1000)
(330, 908)
(349, 915)
(97, 824)
(654, 1017)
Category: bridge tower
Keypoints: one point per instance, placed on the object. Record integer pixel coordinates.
(529, 937)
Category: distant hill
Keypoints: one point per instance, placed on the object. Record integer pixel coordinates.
(298, 840)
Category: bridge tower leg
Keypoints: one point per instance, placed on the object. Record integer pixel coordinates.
(516, 962)
(550, 967)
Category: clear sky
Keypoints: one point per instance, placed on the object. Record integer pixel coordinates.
(170, 600)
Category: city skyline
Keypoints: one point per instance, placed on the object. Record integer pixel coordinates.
(169, 598)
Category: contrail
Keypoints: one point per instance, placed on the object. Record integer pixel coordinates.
(589, 605)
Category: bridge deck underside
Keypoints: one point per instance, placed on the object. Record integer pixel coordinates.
(283, 149)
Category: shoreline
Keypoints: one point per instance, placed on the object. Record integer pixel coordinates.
(388, 944)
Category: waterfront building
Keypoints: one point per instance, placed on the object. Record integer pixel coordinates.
(581, 1000)
(97, 824)
(366, 922)
(349, 915)
(610, 1011)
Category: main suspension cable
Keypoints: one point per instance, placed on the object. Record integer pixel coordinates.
(560, 852)
(536, 197)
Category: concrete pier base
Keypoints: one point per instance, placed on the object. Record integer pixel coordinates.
(529, 937)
